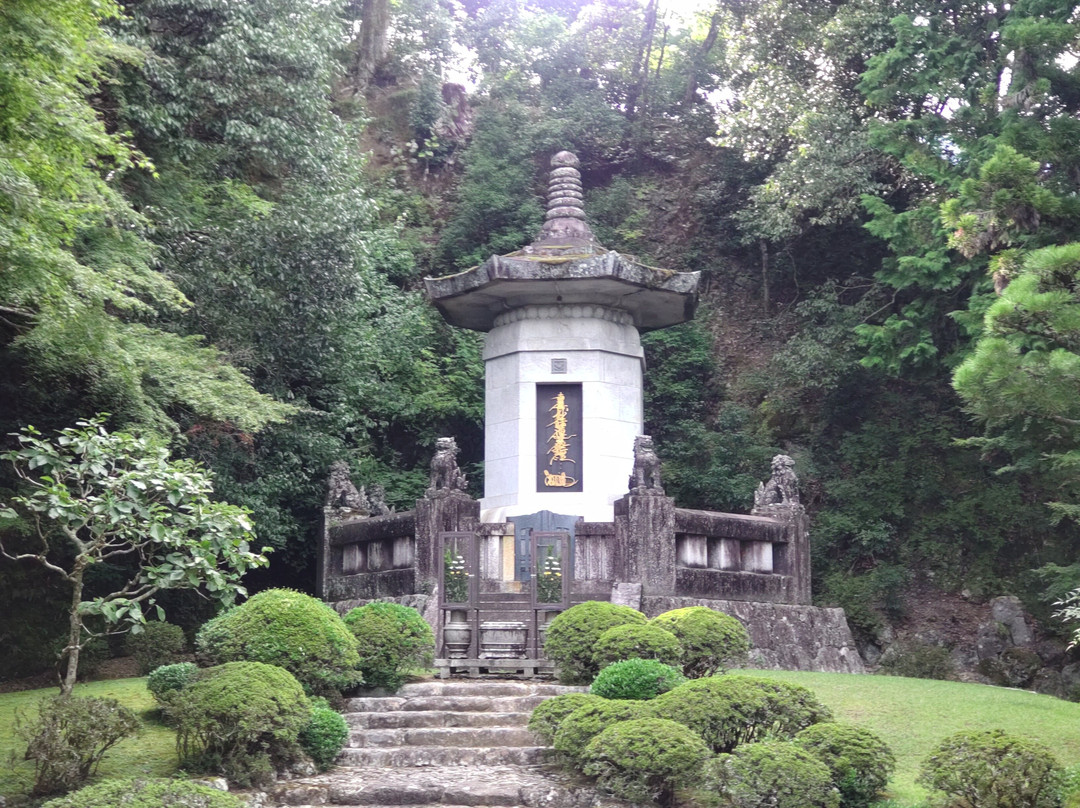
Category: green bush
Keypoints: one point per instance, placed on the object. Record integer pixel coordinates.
(588, 721)
(992, 769)
(572, 637)
(324, 735)
(168, 678)
(69, 736)
(711, 641)
(240, 719)
(138, 792)
(727, 711)
(156, 645)
(645, 759)
(634, 641)
(548, 715)
(860, 762)
(291, 630)
(773, 773)
(638, 679)
(917, 660)
(391, 641)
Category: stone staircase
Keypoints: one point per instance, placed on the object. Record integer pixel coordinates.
(444, 743)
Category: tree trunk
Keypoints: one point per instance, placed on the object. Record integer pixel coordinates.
(764, 247)
(640, 71)
(74, 643)
(372, 48)
(697, 63)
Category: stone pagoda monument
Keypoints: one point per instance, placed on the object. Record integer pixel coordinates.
(574, 507)
(562, 359)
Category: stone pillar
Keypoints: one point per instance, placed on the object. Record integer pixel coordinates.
(439, 512)
(645, 542)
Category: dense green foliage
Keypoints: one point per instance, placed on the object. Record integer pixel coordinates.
(168, 678)
(548, 715)
(636, 641)
(727, 711)
(572, 637)
(774, 773)
(240, 719)
(993, 770)
(859, 761)
(637, 679)
(157, 644)
(711, 641)
(324, 736)
(588, 721)
(645, 759)
(69, 736)
(142, 792)
(286, 628)
(392, 640)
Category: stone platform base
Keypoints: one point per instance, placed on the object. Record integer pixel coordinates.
(799, 638)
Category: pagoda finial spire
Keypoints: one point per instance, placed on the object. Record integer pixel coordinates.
(565, 225)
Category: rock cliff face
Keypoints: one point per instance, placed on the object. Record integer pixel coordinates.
(804, 638)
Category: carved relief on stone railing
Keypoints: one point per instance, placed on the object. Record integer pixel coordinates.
(782, 489)
(446, 477)
(342, 496)
(645, 478)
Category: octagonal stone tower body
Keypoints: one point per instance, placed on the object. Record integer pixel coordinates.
(563, 360)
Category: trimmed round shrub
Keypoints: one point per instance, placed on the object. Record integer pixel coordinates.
(711, 641)
(727, 711)
(860, 762)
(156, 645)
(634, 641)
(588, 721)
(774, 773)
(992, 769)
(548, 715)
(645, 759)
(168, 678)
(291, 630)
(140, 792)
(572, 637)
(325, 735)
(240, 719)
(391, 640)
(638, 679)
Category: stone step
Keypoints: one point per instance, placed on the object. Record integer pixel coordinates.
(443, 736)
(454, 704)
(452, 687)
(402, 719)
(398, 756)
(480, 785)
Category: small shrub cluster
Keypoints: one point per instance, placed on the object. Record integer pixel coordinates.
(156, 645)
(588, 721)
(572, 637)
(711, 641)
(549, 714)
(168, 678)
(860, 763)
(324, 735)
(140, 792)
(291, 630)
(774, 773)
(68, 738)
(636, 679)
(993, 769)
(636, 641)
(241, 719)
(391, 640)
(645, 759)
(918, 661)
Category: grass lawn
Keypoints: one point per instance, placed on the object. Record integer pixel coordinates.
(914, 715)
(151, 752)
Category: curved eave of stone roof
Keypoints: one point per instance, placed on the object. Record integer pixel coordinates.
(656, 298)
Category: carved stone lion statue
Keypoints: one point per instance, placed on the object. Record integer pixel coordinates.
(782, 488)
(341, 493)
(445, 474)
(646, 475)
(378, 501)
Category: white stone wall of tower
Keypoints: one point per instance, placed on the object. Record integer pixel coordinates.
(603, 353)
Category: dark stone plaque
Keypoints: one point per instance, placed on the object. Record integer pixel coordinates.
(558, 437)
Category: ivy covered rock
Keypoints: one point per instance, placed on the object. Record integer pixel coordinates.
(711, 641)
(573, 635)
(291, 630)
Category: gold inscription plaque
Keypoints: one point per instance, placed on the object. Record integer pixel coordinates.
(560, 443)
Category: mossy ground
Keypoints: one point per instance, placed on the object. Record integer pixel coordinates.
(152, 752)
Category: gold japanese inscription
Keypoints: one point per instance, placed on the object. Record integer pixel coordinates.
(560, 443)
(562, 480)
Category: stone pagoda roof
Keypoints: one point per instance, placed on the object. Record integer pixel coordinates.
(565, 265)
